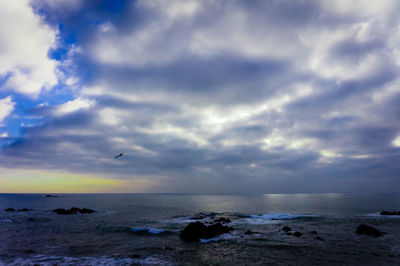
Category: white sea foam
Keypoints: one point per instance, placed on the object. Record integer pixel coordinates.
(270, 218)
(5, 221)
(153, 231)
(219, 238)
(45, 260)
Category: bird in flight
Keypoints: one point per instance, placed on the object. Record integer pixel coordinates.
(119, 155)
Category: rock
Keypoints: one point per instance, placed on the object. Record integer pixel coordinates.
(73, 210)
(23, 210)
(249, 232)
(222, 220)
(314, 232)
(63, 211)
(364, 229)
(10, 210)
(297, 234)
(135, 256)
(286, 228)
(51, 196)
(319, 238)
(195, 231)
(390, 213)
(85, 210)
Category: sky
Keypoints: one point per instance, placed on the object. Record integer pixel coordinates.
(201, 96)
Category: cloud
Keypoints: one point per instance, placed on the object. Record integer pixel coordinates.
(25, 42)
(216, 96)
(6, 107)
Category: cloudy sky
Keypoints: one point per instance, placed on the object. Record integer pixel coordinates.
(209, 96)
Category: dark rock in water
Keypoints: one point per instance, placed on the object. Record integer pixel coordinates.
(319, 238)
(73, 210)
(222, 220)
(23, 210)
(64, 211)
(314, 232)
(297, 234)
(30, 251)
(51, 196)
(390, 213)
(85, 210)
(286, 228)
(249, 232)
(364, 229)
(10, 210)
(135, 256)
(195, 231)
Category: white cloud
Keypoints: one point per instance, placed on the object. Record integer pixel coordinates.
(174, 32)
(6, 107)
(25, 41)
(380, 9)
(396, 142)
(72, 106)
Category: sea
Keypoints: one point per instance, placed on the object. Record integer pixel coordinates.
(144, 229)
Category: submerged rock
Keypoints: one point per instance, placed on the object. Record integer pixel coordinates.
(51, 196)
(314, 232)
(249, 232)
(286, 228)
(364, 229)
(297, 234)
(195, 231)
(319, 238)
(23, 210)
(73, 210)
(10, 210)
(390, 213)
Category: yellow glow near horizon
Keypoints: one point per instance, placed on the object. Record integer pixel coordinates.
(42, 181)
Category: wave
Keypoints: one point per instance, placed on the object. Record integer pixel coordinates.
(271, 218)
(63, 260)
(152, 231)
(379, 215)
(220, 238)
(277, 216)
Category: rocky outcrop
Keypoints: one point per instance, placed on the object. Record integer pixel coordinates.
(390, 213)
(73, 210)
(364, 229)
(195, 231)
(10, 210)
(51, 196)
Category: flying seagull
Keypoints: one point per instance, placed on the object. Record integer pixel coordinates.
(119, 155)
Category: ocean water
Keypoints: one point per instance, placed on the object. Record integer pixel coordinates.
(143, 229)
